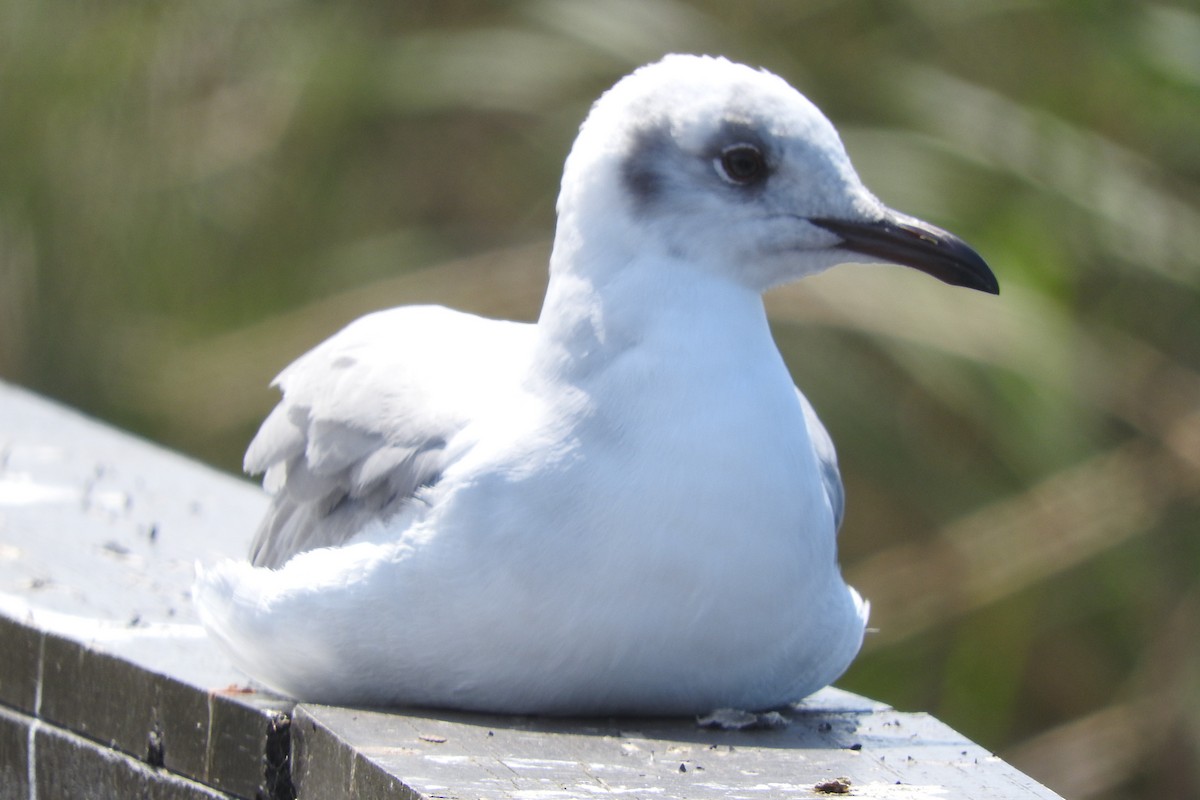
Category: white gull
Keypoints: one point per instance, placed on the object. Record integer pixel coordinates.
(626, 507)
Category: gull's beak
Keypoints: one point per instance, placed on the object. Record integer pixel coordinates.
(901, 239)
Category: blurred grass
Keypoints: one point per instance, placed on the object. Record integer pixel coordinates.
(193, 194)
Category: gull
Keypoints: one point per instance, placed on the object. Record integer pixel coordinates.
(626, 507)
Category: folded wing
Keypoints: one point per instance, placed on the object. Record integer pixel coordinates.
(822, 444)
(366, 418)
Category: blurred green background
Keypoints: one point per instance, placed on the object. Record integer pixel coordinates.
(192, 194)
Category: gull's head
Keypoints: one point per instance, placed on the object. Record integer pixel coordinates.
(703, 162)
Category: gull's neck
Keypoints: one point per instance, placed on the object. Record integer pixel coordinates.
(606, 298)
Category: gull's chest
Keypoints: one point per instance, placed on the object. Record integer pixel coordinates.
(703, 452)
(725, 415)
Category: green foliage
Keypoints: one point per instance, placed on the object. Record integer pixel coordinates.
(193, 194)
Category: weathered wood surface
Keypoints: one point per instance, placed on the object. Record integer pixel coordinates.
(107, 683)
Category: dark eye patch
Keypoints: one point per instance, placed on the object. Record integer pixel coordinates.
(737, 152)
(641, 171)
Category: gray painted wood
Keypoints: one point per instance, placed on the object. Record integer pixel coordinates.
(879, 752)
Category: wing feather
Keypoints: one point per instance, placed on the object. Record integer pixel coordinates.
(366, 417)
(831, 476)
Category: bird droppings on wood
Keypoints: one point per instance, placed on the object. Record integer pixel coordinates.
(732, 719)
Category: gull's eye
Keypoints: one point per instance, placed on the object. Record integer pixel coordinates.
(741, 164)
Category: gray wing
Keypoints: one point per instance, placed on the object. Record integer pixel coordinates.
(827, 459)
(365, 419)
